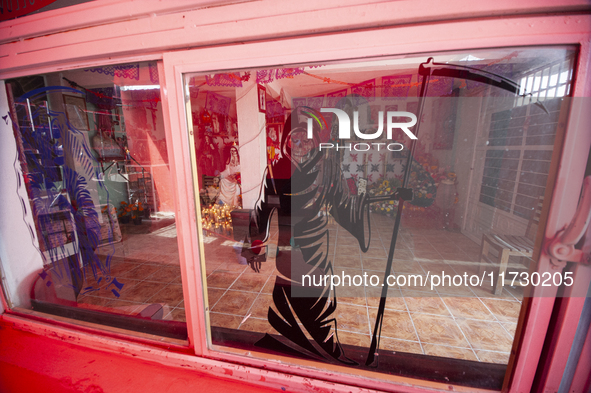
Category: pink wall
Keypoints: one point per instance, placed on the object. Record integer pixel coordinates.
(142, 112)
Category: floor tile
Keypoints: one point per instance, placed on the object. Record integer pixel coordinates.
(394, 300)
(94, 300)
(166, 274)
(352, 318)
(172, 294)
(231, 267)
(510, 328)
(426, 305)
(260, 308)
(486, 335)
(436, 329)
(347, 261)
(468, 307)
(235, 302)
(375, 252)
(504, 310)
(395, 324)
(487, 291)
(268, 288)
(141, 272)
(449, 352)
(213, 295)
(374, 264)
(406, 267)
(178, 314)
(257, 325)
(356, 339)
(356, 301)
(402, 253)
(221, 280)
(224, 320)
(394, 345)
(142, 291)
(493, 357)
(467, 267)
(346, 249)
(119, 268)
(454, 291)
(129, 308)
(250, 282)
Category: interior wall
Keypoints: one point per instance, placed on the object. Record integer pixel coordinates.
(468, 127)
(144, 125)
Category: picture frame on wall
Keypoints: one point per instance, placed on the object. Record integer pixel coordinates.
(76, 112)
(373, 114)
(262, 100)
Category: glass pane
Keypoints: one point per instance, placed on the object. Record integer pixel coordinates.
(313, 246)
(92, 151)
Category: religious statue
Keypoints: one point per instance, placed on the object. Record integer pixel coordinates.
(230, 191)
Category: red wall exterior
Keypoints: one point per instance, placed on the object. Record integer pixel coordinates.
(30, 363)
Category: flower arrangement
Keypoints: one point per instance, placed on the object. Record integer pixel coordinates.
(382, 189)
(431, 165)
(424, 179)
(129, 211)
(124, 213)
(137, 210)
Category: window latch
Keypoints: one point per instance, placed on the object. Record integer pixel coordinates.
(561, 248)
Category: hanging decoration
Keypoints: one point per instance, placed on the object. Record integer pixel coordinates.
(288, 72)
(328, 80)
(396, 86)
(217, 103)
(333, 98)
(366, 90)
(315, 102)
(129, 71)
(227, 80)
(274, 109)
(269, 75)
(265, 76)
(153, 68)
(297, 102)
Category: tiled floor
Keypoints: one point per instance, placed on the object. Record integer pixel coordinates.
(146, 262)
(458, 322)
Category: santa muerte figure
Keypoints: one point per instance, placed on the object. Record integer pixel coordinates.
(230, 191)
(309, 186)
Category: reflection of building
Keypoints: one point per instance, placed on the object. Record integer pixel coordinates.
(503, 157)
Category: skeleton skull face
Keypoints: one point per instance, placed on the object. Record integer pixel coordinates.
(300, 144)
(233, 156)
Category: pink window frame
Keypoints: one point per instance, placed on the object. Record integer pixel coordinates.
(463, 35)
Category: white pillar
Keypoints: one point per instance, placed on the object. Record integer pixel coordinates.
(252, 140)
